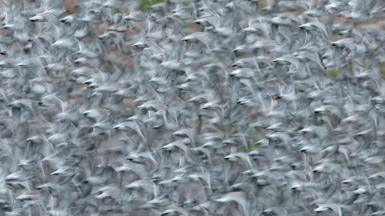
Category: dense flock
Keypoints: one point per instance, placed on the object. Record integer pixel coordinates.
(182, 107)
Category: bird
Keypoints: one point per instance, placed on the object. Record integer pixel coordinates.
(237, 197)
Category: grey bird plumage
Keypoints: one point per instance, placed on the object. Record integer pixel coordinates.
(175, 107)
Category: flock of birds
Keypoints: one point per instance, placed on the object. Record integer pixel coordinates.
(206, 107)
